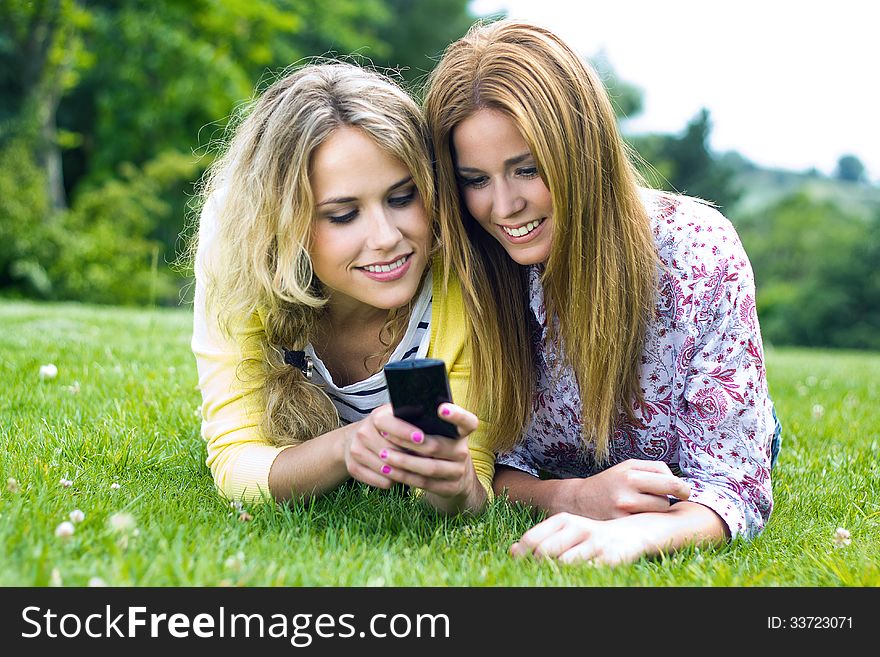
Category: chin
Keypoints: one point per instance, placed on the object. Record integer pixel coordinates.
(392, 300)
(529, 256)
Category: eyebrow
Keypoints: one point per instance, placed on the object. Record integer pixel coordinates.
(517, 159)
(349, 199)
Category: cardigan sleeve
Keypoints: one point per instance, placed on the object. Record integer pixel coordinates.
(239, 455)
(449, 342)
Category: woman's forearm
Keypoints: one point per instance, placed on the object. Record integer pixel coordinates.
(544, 494)
(312, 468)
(686, 523)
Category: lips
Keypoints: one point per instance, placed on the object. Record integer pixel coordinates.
(524, 232)
(387, 271)
(386, 267)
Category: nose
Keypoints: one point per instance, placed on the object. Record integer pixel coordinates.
(506, 201)
(383, 233)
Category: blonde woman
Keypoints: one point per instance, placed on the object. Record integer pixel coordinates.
(314, 269)
(615, 342)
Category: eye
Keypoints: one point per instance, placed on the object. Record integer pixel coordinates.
(341, 218)
(477, 182)
(402, 200)
(527, 172)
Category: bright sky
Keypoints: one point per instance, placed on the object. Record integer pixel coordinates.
(789, 84)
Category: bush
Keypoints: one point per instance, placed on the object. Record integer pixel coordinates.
(25, 221)
(816, 273)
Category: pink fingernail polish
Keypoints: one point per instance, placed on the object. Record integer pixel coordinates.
(384, 433)
(417, 436)
(446, 411)
(383, 454)
(386, 469)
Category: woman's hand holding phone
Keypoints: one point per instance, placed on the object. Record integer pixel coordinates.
(419, 440)
(383, 449)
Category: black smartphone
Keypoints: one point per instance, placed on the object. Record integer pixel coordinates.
(417, 387)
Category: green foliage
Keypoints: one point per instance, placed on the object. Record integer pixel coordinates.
(133, 81)
(124, 409)
(816, 272)
(626, 98)
(24, 215)
(430, 26)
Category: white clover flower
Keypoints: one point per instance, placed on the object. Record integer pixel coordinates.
(48, 371)
(96, 582)
(114, 486)
(55, 578)
(77, 516)
(64, 530)
(237, 506)
(841, 537)
(122, 522)
(12, 485)
(67, 483)
(818, 411)
(235, 562)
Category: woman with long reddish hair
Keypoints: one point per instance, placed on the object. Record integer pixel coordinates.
(616, 350)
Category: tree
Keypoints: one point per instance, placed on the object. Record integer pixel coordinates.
(42, 55)
(626, 98)
(685, 163)
(816, 274)
(851, 169)
(430, 26)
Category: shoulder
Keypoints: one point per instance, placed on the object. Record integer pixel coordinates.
(691, 234)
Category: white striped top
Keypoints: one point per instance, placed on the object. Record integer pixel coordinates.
(354, 402)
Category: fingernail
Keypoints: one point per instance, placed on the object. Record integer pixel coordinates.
(383, 454)
(446, 411)
(417, 436)
(386, 469)
(384, 433)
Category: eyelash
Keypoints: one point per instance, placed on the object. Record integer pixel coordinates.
(394, 201)
(481, 181)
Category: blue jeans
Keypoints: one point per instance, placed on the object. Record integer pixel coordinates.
(777, 439)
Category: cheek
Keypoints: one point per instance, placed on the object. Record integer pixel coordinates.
(329, 247)
(477, 202)
(540, 194)
(417, 226)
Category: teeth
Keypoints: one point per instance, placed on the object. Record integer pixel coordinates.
(378, 269)
(522, 230)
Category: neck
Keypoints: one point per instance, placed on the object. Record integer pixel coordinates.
(347, 316)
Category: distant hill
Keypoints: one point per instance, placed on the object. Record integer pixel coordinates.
(763, 187)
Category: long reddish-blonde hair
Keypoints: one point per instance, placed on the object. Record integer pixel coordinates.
(600, 277)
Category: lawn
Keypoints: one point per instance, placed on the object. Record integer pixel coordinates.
(115, 434)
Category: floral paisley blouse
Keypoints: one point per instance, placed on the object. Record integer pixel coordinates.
(706, 411)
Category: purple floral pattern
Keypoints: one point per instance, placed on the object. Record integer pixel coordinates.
(706, 410)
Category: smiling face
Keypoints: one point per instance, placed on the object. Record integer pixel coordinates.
(501, 185)
(371, 235)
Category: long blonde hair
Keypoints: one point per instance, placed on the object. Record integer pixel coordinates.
(600, 277)
(260, 260)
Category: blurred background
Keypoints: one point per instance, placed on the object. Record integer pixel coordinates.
(110, 111)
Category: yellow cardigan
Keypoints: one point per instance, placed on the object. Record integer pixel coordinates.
(239, 454)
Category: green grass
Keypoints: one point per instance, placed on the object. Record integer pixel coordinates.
(123, 408)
